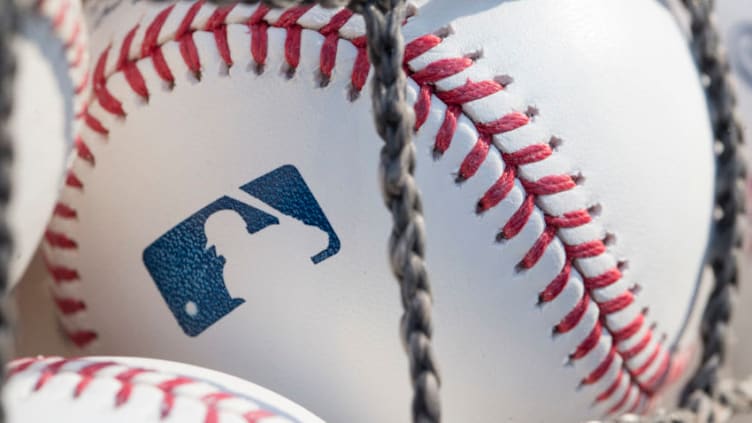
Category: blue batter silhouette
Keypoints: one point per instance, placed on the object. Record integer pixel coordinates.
(190, 276)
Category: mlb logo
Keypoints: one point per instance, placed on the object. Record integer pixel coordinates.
(189, 271)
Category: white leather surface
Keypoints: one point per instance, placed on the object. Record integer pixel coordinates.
(42, 129)
(623, 98)
(88, 390)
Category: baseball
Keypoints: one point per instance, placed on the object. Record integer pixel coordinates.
(225, 208)
(51, 79)
(125, 389)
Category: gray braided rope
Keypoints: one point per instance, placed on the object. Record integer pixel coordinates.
(726, 246)
(394, 120)
(8, 27)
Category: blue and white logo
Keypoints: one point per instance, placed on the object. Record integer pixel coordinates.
(188, 271)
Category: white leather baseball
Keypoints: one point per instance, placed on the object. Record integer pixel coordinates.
(51, 74)
(127, 390)
(564, 157)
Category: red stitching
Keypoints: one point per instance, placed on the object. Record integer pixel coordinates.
(127, 379)
(575, 315)
(454, 99)
(216, 25)
(64, 211)
(59, 240)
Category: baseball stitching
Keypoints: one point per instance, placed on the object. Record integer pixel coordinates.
(632, 361)
(66, 22)
(172, 387)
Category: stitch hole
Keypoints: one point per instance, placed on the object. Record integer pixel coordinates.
(622, 265)
(352, 93)
(578, 178)
(635, 288)
(288, 71)
(504, 80)
(256, 68)
(322, 80)
(609, 240)
(224, 69)
(532, 111)
(444, 31)
(645, 310)
(555, 142)
(595, 210)
(475, 55)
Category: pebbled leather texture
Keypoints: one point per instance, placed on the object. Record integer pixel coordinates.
(617, 123)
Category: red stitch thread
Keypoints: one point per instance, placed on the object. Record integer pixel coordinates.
(530, 154)
(107, 100)
(129, 69)
(609, 392)
(537, 250)
(639, 347)
(149, 47)
(60, 15)
(211, 400)
(603, 280)
(72, 181)
(588, 344)
(69, 306)
(629, 330)
(422, 106)
(216, 24)
(616, 304)
(61, 274)
(87, 376)
(569, 219)
(548, 185)
(184, 35)
(619, 405)
(93, 123)
(83, 152)
(362, 65)
(73, 39)
(585, 250)
(64, 211)
(574, 317)
(471, 91)
(498, 192)
(446, 132)
(472, 161)
(289, 21)
(256, 416)
(441, 69)
(640, 370)
(518, 220)
(48, 372)
(506, 123)
(330, 31)
(59, 240)
(557, 285)
(126, 385)
(602, 368)
(419, 46)
(259, 38)
(167, 387)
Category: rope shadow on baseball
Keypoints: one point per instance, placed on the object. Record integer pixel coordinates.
(559, 267)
